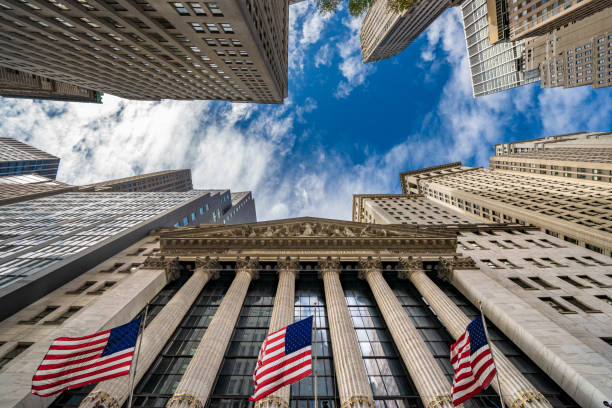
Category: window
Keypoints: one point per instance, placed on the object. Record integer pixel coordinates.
(594, 282)
(185, 221)
(573, 282)
(64, 316)
(513, 244)
(535, 263)
(578, 261)
(556, 305)
(607, 340)
(543, 283)
(508, 263)
(197, 27)
(197, 9)
(551, 243)
(214, 9)
(490, 263)
(605, 298)
(553, 263)
(17, 350)
(582, 306)
(227, 28)
(112, 268)
(48, 310)
(475, 245)
(81, 288)
(180, 9)
(598, 262)
(212, 28)
(100, 289)
(522, 284)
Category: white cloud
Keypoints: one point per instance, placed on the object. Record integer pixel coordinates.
(352, 68)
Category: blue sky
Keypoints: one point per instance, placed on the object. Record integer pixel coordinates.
(346, 127)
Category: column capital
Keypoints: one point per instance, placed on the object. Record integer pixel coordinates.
(173, 269)
(172, 266)
(329, 265)
(190, 400)
(210, 265)
(447, 266)
(369, 265)
(249, 265)
(288, 264)
(409, 266)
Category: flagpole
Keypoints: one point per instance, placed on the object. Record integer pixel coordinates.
(133, 376)
(314, 354)
(484, 324)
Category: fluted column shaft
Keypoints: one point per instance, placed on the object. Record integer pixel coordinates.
(197, 382)
(516, 389)
(113, 393)
(353, 384)
(429, 379)
(282, 315)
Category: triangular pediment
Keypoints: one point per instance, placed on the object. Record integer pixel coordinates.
(306, 227)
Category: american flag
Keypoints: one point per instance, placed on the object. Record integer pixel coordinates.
(473, 363)
(284, 358)
(72, 362)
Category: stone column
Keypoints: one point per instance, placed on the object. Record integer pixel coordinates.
(197, 382)
(428, 377)
(353, 384)
(517, 391)
(282, 315)
(113, 393)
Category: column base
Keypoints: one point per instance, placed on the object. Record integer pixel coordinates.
(525, 397)
(439, 400)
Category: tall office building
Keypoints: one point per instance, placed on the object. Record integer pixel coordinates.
(14, 189)
(230, 50)
(385, 33)
(583, 156)
(577, 54)
(494, 67)
(390, 300)
(573, 209)
(17, 158)
(166, 180)
(48, 241)
(16, 84)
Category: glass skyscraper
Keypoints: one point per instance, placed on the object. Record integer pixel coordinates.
(17, 158)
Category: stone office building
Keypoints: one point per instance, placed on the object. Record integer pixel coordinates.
(389, 300)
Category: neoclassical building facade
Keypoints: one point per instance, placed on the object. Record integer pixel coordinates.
(389, 301)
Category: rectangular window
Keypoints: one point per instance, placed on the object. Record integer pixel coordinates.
(490, 263)
(475, 245)
(553, 263)
(197, 9)
(522, 284)
(513, 244)
(64, 316)
(180, 8)
(508, 263)
(543, 283)
(573, 282)
(594, 281)
(585, 308)
(81, 288)
(48, 310)
(197, 27)
(596, 261)
(605, 298)
(556, 305)
(578, 261)
(100, 289)
(212, 28)
(17, 350)
(227, 28)
(535, 263)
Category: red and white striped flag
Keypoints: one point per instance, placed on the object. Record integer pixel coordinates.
(285, 357)
(72, 362)
(473, 363)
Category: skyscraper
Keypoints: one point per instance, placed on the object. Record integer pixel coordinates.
(17, 158)
(576, 54)
(526, 188)
(48, 241)
(583, 156)
(16, 84)
(14, 189)
(385, 33)
(231, 50)
(494, 67)
(166, 180)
